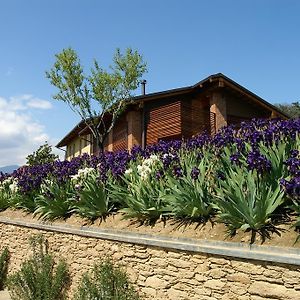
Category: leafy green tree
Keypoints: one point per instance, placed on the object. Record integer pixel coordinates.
(292, 110)
(42, 155)
(100, 96)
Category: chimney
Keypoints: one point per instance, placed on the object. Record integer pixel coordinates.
(144, 86)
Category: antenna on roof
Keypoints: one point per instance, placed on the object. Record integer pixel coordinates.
(143, 83)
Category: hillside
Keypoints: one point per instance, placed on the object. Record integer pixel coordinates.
(8, 169)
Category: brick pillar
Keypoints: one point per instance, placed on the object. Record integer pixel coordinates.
(110, 141)
(134, 119)
(218, 107)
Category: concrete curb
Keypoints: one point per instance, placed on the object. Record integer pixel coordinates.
(238, 250)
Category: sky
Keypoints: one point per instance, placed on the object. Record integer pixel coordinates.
(256, 43)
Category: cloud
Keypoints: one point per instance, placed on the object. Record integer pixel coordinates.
(26, 101)
(39, 103)
(20, 135)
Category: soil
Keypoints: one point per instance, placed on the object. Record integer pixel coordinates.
(285, 236)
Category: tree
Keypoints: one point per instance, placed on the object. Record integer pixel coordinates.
(100, 97)
(41, 156)
(292, 110)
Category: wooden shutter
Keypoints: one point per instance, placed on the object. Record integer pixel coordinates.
(163, 121)
(196, 118)
(120, 135)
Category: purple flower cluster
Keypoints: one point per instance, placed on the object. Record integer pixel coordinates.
(293, 163)
(235, 158)
(257, 161)
(292, 186)
(255, 132)
(195, 173)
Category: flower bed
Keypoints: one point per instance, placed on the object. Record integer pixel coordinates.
(247, 178)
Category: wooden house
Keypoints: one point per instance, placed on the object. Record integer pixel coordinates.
(208, 105)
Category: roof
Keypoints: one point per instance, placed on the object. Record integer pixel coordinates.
(219, 77)
(72, 134)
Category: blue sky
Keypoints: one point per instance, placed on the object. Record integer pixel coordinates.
(254, 42)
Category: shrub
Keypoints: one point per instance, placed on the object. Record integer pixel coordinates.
(25, 202)
(93, 200)
(246, 201)
(106, 282)
(39, 277)
(8, 191)
(54, 201)
(190, 196)
(141, 196)
(4, 257)
(41, 156)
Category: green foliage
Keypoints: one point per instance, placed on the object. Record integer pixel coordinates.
(93, 200)
(5, 197)
(292, 110)
(8, 193)
(139, 198)
(101, 92)
(191, 198)
(39, 278)
(247, 201)
(25, 202)
(54, 201)
(4, 258)
(277, 155)
(106, 282)
(41, 156)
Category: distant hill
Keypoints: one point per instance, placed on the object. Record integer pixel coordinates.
(8, 169)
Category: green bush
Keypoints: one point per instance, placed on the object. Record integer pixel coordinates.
(4, 257)
(106, 282)
(190, 196)
(55, 200)
(93, 200)
(247, 201)
(42, 155)
(25, 202)
(141, 199)
(39, 278)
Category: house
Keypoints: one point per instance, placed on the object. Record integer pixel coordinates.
(208, 105)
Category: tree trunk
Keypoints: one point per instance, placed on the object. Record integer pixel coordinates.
(100, 143)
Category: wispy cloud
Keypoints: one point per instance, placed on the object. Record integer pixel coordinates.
(39, 103)
(26, 101)
(19, 133)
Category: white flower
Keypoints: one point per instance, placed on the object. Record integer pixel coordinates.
(147, 162)
(144, 175)
(140, 169)
(166, 155)
(13, 187)
(129, 171)
(82, 174)
(75, 177)
(154, 157)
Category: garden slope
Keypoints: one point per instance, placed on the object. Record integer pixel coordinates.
(211, 231)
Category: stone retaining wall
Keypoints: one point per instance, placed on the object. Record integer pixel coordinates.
(164, 273)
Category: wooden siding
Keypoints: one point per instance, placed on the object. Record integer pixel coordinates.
(163, 121)
(195, 117)
(120, 135)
